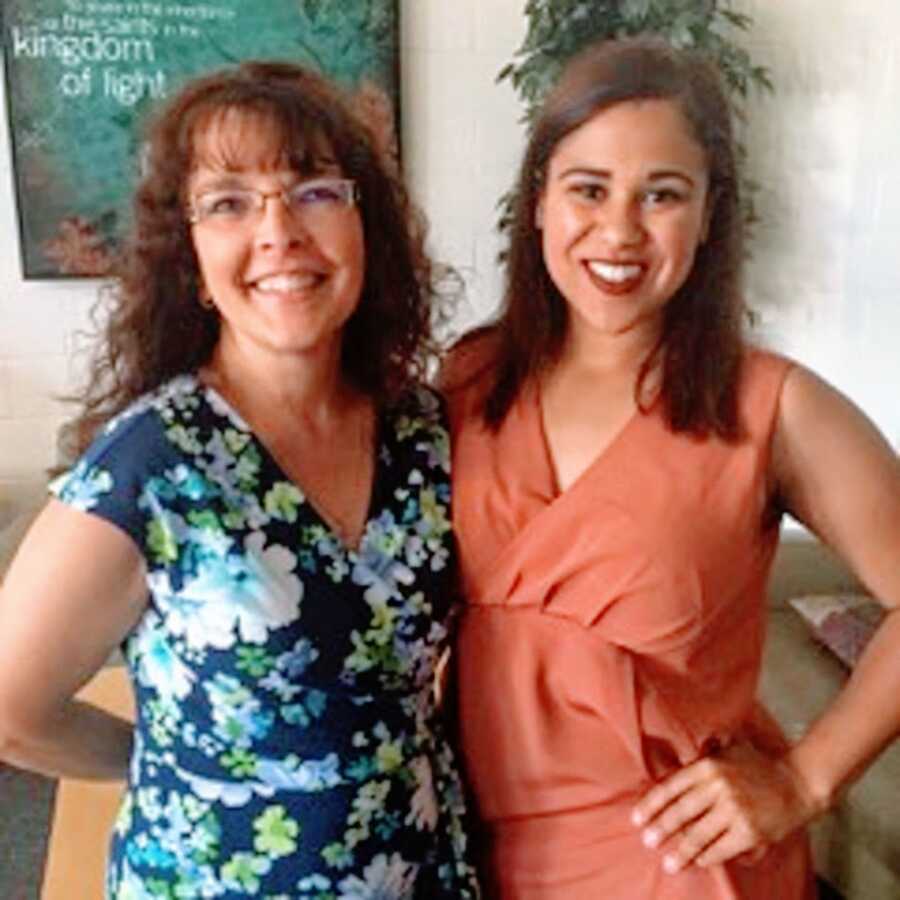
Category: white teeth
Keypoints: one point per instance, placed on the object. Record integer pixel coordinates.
(287, 283)
(612, 272)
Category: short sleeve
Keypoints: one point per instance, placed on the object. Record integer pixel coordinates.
(108, 480)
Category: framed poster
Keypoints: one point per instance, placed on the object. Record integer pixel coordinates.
(81, 75)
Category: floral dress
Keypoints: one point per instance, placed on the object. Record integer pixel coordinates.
(287, 743)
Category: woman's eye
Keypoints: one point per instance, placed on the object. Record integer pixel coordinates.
(230, 204)
(661, 197)
(588, 191)
(315, 194)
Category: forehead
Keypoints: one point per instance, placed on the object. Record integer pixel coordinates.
(235, 139)
(633, 134)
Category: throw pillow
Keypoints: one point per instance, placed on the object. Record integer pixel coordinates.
(843, 623)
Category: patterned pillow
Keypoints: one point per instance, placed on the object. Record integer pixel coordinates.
(842, 622)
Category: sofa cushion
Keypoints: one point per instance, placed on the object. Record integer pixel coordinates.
(857, 845)
(843, 623)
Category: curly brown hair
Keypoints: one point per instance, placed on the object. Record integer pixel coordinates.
(701, 338)
(153, 326)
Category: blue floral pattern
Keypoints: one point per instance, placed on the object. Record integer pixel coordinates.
(287, 743)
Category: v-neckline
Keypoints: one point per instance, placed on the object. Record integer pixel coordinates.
(351, 551)
(536, 415)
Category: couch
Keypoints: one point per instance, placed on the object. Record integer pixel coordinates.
(857, 845)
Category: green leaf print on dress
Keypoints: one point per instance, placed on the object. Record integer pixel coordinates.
(287, 742)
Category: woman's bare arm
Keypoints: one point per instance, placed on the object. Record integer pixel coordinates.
(837, 475)
(73, 591)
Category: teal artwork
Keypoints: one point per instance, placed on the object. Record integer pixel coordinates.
(82, 74)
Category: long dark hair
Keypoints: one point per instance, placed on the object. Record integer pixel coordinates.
(701, 338)
(152, 325)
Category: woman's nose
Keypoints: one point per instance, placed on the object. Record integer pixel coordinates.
(277, 226)
(621, 221)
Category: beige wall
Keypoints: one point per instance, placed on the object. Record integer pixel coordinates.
(827, 149)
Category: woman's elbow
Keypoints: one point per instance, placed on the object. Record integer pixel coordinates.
(21, 729)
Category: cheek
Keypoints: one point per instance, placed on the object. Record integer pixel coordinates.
(353, 254)
(560, 264)
(562, 228)
(206, 272)
(552, 250)
(217, 260)
(683, 239)
(565, 222)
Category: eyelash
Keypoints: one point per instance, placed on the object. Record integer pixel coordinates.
(587, 190)
(665, 195)
(593, 192)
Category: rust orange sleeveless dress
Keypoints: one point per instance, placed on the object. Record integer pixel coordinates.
(611, 634)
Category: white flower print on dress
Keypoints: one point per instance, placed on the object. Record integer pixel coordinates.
(274, 669)
(157, 663)
(231, 794)
(232, 597)
(223, 408)
(383, 879)
(381, 576)
(423, 811)
(84, 488)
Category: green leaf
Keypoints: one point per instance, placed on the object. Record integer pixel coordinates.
(738, 20)
(161, 542)
(505, 72)
(636, 9)
(275, 832)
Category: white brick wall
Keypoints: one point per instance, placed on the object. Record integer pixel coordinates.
(37, 321)
(827, 150)
(461, 136)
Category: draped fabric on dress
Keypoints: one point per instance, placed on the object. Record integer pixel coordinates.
(612, 633)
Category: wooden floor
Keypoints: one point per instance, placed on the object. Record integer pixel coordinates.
(85, 811)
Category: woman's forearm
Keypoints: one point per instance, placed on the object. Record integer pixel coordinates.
(81, 741)
(863, 719)
(753, 801)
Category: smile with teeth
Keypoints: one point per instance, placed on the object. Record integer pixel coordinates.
(287, 283)
(614, 272)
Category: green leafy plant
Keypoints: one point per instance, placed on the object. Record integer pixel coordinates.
(559, 29)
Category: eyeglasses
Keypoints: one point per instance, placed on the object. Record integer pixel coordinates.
(312, 200)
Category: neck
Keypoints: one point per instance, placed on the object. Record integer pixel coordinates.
(310, 387)
(608, 354)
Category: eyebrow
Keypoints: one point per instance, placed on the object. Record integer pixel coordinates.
(229, 180)
(222, 179)
(655, 175)
(219, 181)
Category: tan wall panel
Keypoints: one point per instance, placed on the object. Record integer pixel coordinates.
(85, 811)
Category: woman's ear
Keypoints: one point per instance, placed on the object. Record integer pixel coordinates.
(539, 213)
(204, 298)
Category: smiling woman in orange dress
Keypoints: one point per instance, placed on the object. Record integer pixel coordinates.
(622, 459)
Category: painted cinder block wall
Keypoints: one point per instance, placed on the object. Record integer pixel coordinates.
(825, 278)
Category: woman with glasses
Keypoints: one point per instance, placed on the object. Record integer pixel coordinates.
(259, 518)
